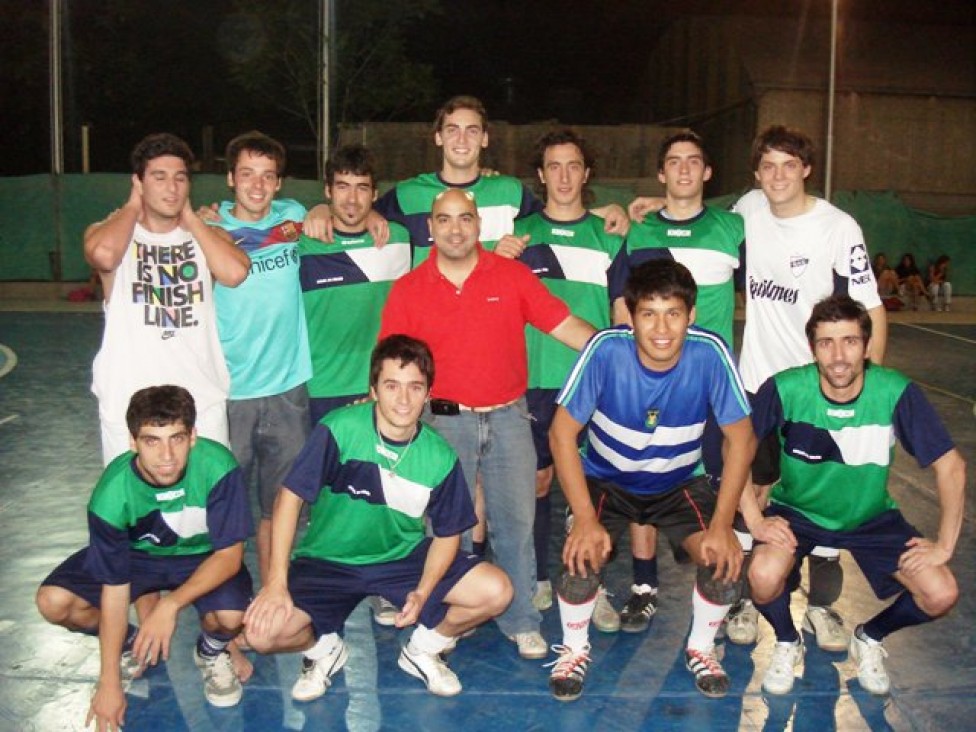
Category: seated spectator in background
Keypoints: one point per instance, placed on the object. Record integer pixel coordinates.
(910, 283)
(939, 285)
(885, 275)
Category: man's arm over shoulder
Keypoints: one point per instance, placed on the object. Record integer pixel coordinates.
(227, 263)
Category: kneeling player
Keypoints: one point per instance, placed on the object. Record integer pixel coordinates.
(643, 395)
(371, 473)
(836, 421)
(172, 514)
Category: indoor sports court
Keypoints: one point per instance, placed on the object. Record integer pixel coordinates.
(50, 458)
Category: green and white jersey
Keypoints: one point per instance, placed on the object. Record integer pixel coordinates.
(500, 199)
(836, 457)
(344, 287)
(207, 509)
(369, 496)
(576, 261)
(709, 245)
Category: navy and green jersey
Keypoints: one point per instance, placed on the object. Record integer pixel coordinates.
(576, 261)
(261, 324)
(369, 496)
(710, 245)
(500, 199)
(344, 287)
(644, 428)
(836, 457)
(206, 510)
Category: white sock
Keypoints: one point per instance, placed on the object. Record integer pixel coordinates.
(427, 640)
(323, 646)
(576, 622)
(706, 618)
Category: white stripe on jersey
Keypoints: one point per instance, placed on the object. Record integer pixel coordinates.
(496, 221)
(382, 264)
(191, 521)
(404, 495)
(709, 266)
(650, 465)
(638, 440)
(582, 265)
(868, 444)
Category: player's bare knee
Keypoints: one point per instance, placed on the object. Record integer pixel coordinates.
(941, 597)
(766, 580)
(576, 589)
(54, 604)
(717, 591)
(227, 622)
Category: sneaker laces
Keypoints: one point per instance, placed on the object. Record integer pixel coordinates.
(872, 656)
(704, 663)
(570, 663)
(221, 670)
(782, 661)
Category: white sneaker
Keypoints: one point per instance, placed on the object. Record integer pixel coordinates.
(542, 600)
(221, 686)
(781, 673)
(432, 669)
(129, 667)
(827, 624)
(605, 618)
(384, 611)
(316, 676)
(869, 657)
(531, 645)
(742, 627)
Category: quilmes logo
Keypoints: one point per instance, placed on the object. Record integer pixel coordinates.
(650, 421)
(769, 290)
(798, 264)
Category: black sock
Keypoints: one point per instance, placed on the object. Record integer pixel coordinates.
(645, 571)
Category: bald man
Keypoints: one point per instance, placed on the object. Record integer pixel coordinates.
(471, 307)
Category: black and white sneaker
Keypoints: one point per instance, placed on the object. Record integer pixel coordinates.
(710, 678)
(432, 669)
(569, 670)
(316, 676)
(640, 608)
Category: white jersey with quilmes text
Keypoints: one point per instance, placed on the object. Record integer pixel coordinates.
(791, 264)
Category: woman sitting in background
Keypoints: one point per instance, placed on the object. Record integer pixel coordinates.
(885, 275)
(939, 285)
(910, 283)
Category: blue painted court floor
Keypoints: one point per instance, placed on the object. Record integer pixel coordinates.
(50, 458)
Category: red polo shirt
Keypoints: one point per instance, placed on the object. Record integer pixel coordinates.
(477, 332)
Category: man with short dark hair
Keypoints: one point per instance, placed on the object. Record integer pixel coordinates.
(155, 258)
(574, 257)
(643, 394)
(262, 324)
(709, 242)
(374, 476)
(835, 422)
(170, 515)
(345, 283)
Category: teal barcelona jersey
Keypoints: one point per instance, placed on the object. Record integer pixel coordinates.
(261, 321)
(576, 261)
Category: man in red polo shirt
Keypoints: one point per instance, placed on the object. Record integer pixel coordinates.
(471, 307)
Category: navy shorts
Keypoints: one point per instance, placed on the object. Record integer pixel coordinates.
(876, 545)
(153, 574)
(330, 591)
(679, 513)
(541, 404)
(318, 407)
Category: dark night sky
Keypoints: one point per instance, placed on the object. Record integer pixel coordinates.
(582, 61)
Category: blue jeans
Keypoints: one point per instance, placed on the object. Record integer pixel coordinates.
(498, 445)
